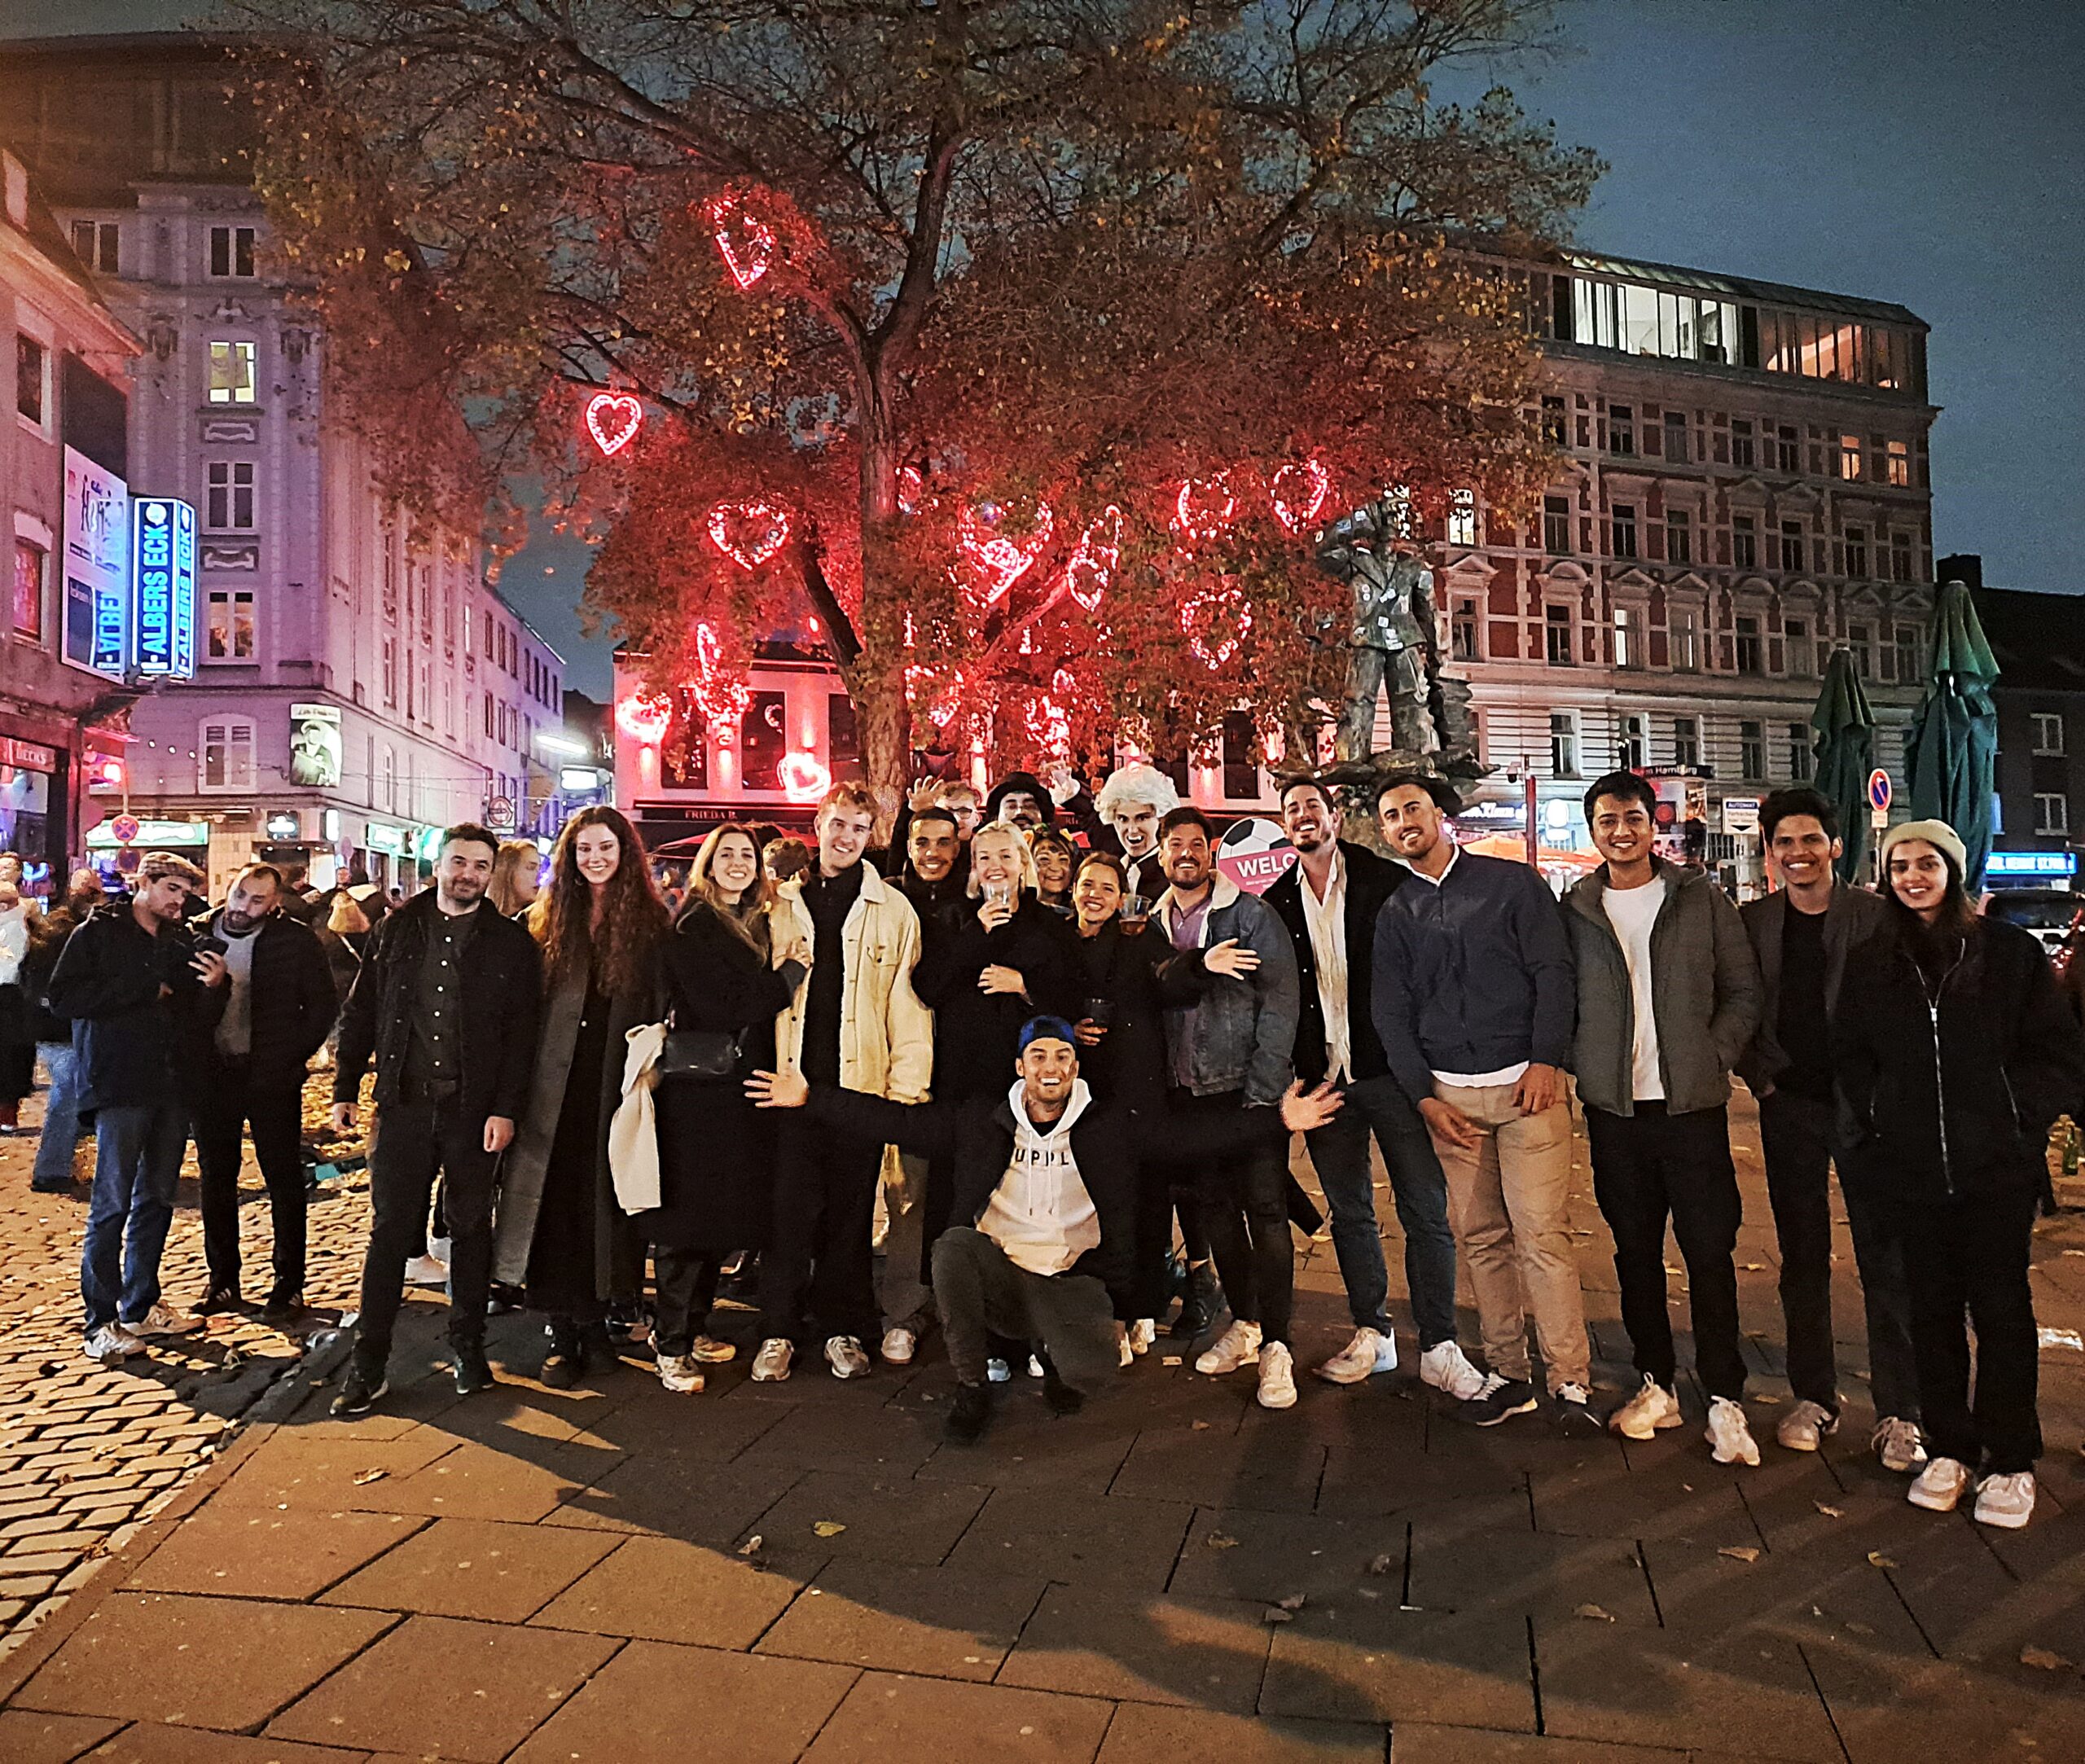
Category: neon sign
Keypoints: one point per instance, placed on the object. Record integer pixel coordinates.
(745, 242)
(1093, 565)
(613, 419)
(1298, 491)
(163, 576)
(750, 533)
(802, 779)
(998, 560)
(1203, 507)
(645, 717)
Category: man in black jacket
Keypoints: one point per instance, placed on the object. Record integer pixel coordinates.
(269, 1012)
(128, 979)
(1330, 902)
(447, 1000)
(1045, 1182)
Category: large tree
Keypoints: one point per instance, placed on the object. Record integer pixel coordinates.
(1023, 344)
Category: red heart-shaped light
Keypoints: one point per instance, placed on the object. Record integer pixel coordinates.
(997, 561)
(1298, 491)
(645, 717)
(1198, 614)
(750, 532)
(613, 419)
(745, 241)
(801, 777)
(1203, 507)
(1092, 566)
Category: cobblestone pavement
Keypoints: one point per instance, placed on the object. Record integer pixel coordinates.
(804, 1571)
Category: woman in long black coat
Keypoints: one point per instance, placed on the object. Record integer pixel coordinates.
(715, 1149)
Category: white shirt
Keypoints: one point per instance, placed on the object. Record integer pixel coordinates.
(1632, 911)
(1041, 1214)
(1468, 1080)
(235, 1035)
(1326, 922)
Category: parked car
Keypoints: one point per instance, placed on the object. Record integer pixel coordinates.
(2052, 914)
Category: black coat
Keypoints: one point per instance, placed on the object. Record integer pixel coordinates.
(1369, 881)
(1139, 977)
(46, 946)
(295, 1003)
(1973, 1114)
(137, 1049)
(1108, 1142)
(715, 1149)
(502, 1000)
(977, 1033)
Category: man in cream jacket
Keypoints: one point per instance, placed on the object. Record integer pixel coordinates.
(857, 1024)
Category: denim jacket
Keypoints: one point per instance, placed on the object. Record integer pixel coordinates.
(1244, 1030)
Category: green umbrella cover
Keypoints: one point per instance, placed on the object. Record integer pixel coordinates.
(1952, 756)
(1845, 755)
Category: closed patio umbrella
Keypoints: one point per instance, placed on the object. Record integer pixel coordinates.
(1845, 755)
(1952, 755)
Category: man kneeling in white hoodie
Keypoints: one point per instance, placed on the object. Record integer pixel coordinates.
(1046, 1185)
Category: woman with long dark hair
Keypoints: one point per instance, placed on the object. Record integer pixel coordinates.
(724, 978)
(561, 1236)
(1954, 1049)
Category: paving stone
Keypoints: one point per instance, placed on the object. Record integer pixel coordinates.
(1113, 1539)
(478, 1689)
(1454, 1569)
(29, 1737)
(896, 1519)
(858, 1438)
(1940, 1710)
(1359, 1661)
(149, 1744)
(242, 1553)
(898, 1618)
(162, 1657)
(1241, 1553)
(1141, 1733)
(1179, 1464)
(475, 1481)
(1420, 1742)
(473, 1567)
(939, 1721)
(1096, 1641)
(666, 1591)
(332, 1473)
(695, 1500)
(644, 1706)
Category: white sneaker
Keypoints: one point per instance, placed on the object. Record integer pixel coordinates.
(2006, 1500)
(1939, 1486)
(997, 1371)
(844, 1354)
(1806, 1426)
(1446, 1367)
(1730, 1434)
(1897, 1443)
(1144, 1336)
(1277, 1377)
(899, 1344)
(108, 1346)
(771, 1366)
(1124, 1359)
(1034, 1367)
(1652, 1408)
(1369, 1352)
(162, 1320)
(437, 1249)
(679, 1374)
(712, 1352)
(1238, 1345)
(425, 1271)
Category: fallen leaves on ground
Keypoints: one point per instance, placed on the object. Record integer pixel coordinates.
(1594, 1613)
(1876, 1559)
(751, 1546)
(1738, 1552)
(827, 1528)
(1220, 1540)
(2043, 1659)
(1385, 1563)
(364, 1478)
(1829, 1510)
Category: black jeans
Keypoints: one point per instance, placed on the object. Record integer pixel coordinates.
(1799, 1138)
(684, 1287)
(229, 1103)
(982, 1295)
(1969, 1254)
(821, 1261)
(1245, 1208)
(413, 1141)
(1649, 1166)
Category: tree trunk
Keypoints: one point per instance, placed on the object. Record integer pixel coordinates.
(876, 681)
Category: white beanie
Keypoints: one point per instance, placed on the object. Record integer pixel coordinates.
(1936, 834)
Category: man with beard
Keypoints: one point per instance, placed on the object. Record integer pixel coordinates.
(267, 1012)
(1229, 1054)
(447, 1001)
(1330, 901)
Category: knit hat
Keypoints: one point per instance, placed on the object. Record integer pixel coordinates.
(1045, 1029)
(1936, 834)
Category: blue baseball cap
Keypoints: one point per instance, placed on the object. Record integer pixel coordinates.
(1045, 1029)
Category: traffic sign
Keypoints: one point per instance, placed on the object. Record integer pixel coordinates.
(128, 858)
(126, 828)
(1878, 790)
(1741, 815)
(499, 814)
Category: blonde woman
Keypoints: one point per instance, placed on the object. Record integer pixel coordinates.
(515, 877)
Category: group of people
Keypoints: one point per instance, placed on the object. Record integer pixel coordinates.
(1056, 1077)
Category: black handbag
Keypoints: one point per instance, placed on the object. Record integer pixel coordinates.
(693, 1053)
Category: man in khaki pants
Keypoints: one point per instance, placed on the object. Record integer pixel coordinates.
(1474, 999)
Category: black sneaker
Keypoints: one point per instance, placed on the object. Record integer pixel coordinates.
(220, 1299)
(1575, 1414)
(565, 1364)
(1062, 1399)
(358, 1392)
(282, 1307)
(1499, 1400)
(971, 1415)
(473, 1373)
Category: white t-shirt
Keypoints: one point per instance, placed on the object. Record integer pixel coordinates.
(1632, 911)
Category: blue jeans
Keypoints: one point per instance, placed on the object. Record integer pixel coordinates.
(1339, 1151)
(136, 1165)
(61, 1117)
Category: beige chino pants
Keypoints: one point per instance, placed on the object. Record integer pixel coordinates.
(1506, 1203)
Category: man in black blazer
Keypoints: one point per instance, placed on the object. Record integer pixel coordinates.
(1330, 901)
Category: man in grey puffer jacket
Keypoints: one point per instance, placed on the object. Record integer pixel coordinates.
(1669, 997)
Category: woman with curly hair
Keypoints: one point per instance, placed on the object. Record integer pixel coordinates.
(560, 1235)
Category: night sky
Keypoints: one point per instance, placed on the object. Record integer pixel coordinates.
(1927, 152)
